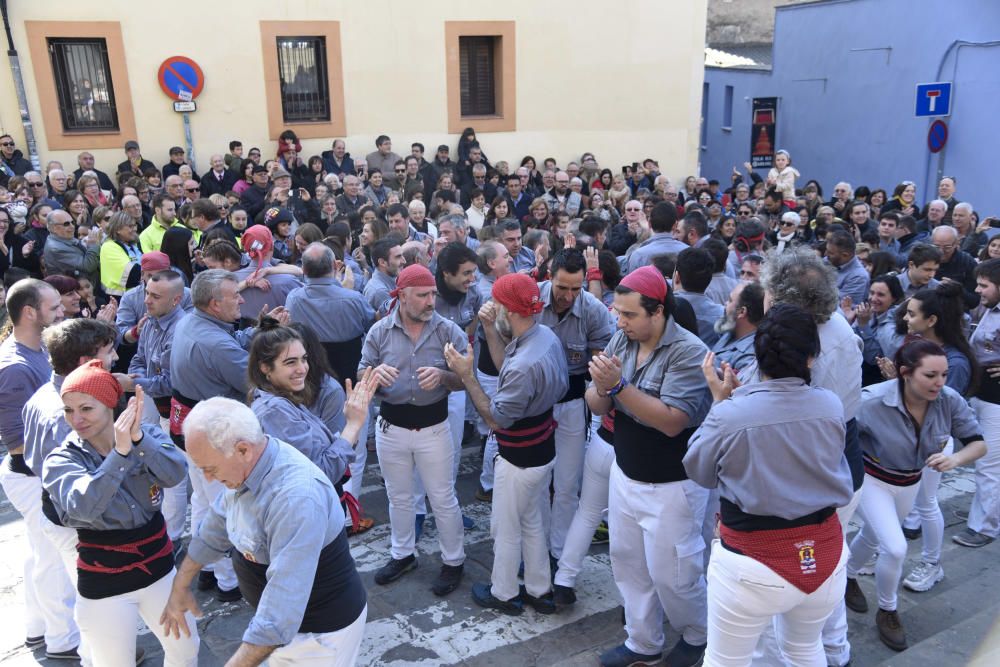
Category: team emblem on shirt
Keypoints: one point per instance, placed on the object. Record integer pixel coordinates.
(807, 556)
(155, 494)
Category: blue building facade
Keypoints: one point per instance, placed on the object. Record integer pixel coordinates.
(845, 74)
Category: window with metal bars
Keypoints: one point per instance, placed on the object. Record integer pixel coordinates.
(305, 93)
(82, 76)
(477, 62)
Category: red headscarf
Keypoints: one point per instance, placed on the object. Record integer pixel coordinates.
(518, 293)
(93, 380)
(258, 242)
(647, 281)
(154, 261)
(415, 275)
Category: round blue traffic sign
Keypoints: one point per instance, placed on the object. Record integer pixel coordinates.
(178, 74)
(937, 136)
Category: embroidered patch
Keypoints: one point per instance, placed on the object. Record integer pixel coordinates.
(807, 556)
(155, 494)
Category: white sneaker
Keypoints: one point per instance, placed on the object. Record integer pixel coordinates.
(923, 577)
(869, 567)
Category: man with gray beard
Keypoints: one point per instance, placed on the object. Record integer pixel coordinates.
(738, 326)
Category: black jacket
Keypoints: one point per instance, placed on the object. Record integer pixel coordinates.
(171, 169)
(126, 167)
(961, 269)
(15, 166)
(210, 185)
(345, 168)
(432, 172)
(253, 200)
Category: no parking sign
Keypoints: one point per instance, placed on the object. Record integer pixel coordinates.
(181, 78)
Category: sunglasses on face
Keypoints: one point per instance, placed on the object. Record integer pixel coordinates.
(7, 143)
(36, 184)
(788, 224)
(190, 189)
(633, 209)
(400, 171)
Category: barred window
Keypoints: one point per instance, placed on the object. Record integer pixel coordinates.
(82, 76)
(305, 95)
(477, 63)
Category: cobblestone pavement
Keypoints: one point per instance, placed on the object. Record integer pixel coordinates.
(409, 626)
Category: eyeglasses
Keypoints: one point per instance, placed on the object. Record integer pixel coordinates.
(7, 143)
(633, 209)
(35, 184)
(68, 223)
(400, 171)
(745, 212)
(787, 223)
(191, 190)
(222, 208)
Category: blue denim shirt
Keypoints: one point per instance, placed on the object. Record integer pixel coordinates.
(282, 516)
(335, 313)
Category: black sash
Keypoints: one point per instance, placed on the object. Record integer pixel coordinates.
(649, 455)
(112, 562)
(414, 417)
(577, 388)
(529, 442)
(337, 596)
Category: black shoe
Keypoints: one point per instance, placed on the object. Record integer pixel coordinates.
(71, 654)
(34, 642)
(685, 655)
(890, 630)
(206, 580)
(543, 604)
(854, 597)
(232, 595)
(395, 569)
(448, 579)
(912, 533)
(482, 596)
(563, 596)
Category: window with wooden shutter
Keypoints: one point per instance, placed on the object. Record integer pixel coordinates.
(477, 67)
(82, 75)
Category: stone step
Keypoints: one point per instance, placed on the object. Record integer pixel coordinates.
(971, 641)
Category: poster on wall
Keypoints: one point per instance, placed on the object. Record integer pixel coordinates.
(762, 132)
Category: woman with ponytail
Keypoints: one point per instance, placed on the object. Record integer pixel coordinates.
(904, 426)
(781, 476)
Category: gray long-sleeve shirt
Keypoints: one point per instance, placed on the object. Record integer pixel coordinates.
(737, 352)
(587, 326)
(336, 314)
(255, 519)
(463, 312)
(707, 313)
(256, 299)
(299, 427)
(207, 359)
(114, 492)
(661, 243)
(45, 427)
(151, 363)
(770, 460)
(533, 377)
(887, 433)
(377, 292)
(22, 371)
(132, 307)
(388, 343)
(329, 405)
(852, 280)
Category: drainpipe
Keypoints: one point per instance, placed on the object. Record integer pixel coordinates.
(22, 98)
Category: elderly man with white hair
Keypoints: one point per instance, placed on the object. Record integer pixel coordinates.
(309, 603)
(65, 254)
(956, 265)
(843, 193)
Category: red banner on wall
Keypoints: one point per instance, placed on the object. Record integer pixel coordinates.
(763, 128)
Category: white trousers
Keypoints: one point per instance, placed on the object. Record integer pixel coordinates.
(516, 529)
(456, 421)
(984, 515)
(744, 595)
(593, 502)
(326, 649)
(203, 494)
(882, 507)
(567, 472)
(429, 452)
(489, 385)
(49, 593)
(109, 626)
(656, 558)
(926, 513)
(835, 642)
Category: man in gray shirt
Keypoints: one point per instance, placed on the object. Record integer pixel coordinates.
(309, 602)
(691, 278)
(406, 352)
(738, 326)
(387, 257)
(661, 222)
(64, 254)
(533, 376)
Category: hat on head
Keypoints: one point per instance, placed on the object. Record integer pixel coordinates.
(259, 169)
(518, 293)
(131, 143)
(92, 379)
(280, 173)
(176, 150)
(415, 275)
(276, 215)
(444, 147)
(647, 281)
(154, 261)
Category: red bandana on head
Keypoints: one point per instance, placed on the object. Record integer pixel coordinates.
(518, 293)
(415, 275)
(647, 281)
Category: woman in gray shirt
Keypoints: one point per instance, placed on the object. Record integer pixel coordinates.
(904, 425)
(775, 450)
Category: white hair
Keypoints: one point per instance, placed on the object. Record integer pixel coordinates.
(965, 206)
(330, 179)
(224, 422)
(939, 202)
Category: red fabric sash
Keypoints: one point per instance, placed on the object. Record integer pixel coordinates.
(178, 413)
(532, 435)
(129, 548)
(805, 556)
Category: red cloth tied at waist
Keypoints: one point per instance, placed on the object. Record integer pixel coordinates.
(804, 556)
(528, 435)
(132, 548)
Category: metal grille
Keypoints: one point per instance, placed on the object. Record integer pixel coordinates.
(478, 76)
(305, 95)
(82, 75)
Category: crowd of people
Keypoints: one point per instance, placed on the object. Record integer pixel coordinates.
(712, 378)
